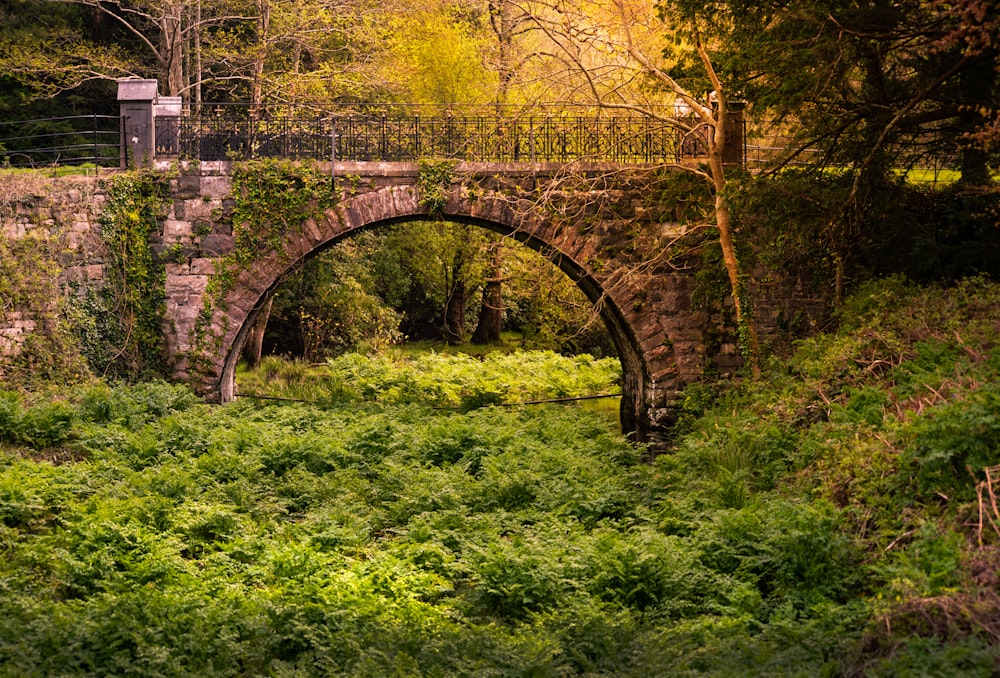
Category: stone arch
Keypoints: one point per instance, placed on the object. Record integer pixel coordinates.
(501, 213)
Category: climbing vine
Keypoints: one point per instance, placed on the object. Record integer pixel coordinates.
(126, 315)
(272, 199)
(433, 179)
(29, 293)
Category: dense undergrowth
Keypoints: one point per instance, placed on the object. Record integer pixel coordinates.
(836, 518)
(437, 379)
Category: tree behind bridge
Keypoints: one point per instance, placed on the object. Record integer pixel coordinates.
(604, 56)
(875, 85)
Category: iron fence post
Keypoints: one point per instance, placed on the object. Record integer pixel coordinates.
(122, 155)
(333, 154)
(531, 139)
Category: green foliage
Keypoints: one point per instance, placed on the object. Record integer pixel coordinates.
(327, 306)
(793, 64)
(442, 380)
(29, 287)
(121, 325)
(952, 444)
(244, 539)
(433, 180)
(920, 656)
(437, 57)
(812, 523)
(274, 198)
(38, 426)
(925, 233)
(880, 434)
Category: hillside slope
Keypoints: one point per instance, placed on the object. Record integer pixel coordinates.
(856, 487)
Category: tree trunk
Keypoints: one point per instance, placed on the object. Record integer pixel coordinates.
(975, 82)
(172, 50)
(744, 310)
(503, 28)
(491, 312)
(197, 57)
(263, 28)
(255, 339)
(713, 113)
(454, 314)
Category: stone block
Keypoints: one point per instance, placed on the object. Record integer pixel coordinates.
(228, 205)
(185, 285)
(181, 269)
(201, 209)
(216, 168)
(188, 186)
(202, 266)
(311, 230)
(654, 341)
(217, 244)
(174, 230)
(216, 187)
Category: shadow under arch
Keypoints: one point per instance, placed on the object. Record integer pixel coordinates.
(499, 213)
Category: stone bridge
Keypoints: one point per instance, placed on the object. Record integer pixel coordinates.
(605, 226)
(598, 223)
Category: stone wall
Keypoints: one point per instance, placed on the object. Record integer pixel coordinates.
(60, 216)
(194, 235)
(601, 225)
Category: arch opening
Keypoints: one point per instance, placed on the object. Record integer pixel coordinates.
(266, 276)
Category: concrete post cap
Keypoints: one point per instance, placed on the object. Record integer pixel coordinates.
(135, 89)
(168, 106)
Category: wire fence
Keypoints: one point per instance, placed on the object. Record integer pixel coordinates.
(82, 141)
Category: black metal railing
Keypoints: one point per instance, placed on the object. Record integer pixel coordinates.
(369, 133)
(232, 133)
(531, 139)
(82, 140)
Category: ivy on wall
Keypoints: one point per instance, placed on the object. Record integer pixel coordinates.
(272, 199)
(433, 179)
(29, 290)
(123, 324)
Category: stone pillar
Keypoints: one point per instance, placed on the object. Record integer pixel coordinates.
(168, 126)
(136, 101)
(735, 153)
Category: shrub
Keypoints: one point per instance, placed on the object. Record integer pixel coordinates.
(952, 444)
